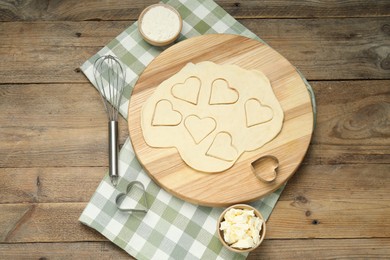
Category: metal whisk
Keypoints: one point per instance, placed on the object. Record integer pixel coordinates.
(110, 81)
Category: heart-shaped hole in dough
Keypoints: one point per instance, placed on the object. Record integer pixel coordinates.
(187, 91)
(265, 168)
(199, 128)
(222, 147)
(222, 93)
(165, 115)
(135, 191)
(256, 113)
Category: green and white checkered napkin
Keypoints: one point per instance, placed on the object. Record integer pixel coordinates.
(172, 228)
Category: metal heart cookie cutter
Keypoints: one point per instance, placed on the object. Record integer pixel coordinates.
(265, 168)
(121, 197)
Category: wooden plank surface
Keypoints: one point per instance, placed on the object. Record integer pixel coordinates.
(323, 249)
(57, 125)
(346, 218)
(125, 10)
(333, 182)
(352, 116)
(351, 124)
(349, 201)
(53, 126)
(270, 249)
(43, 185)
(323, 49)
(44, 222)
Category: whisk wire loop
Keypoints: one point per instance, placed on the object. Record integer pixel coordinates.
(110, 81)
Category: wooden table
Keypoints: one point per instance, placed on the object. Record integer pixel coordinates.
(53, 147)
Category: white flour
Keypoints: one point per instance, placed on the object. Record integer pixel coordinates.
(160, 23)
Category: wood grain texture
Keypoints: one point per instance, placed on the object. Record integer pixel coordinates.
(44, 126)
(73, 250)
(60, 33)
(44, 222)
(41, 64)
(322, 201)
(336, 182)
(344, 218)
(354, 117)
(42, 185)
(26, 125)
(375, 248)
(125, 10)
(332, 182)
(331, 48)
(53, 125)
(166, 167)
(356, 202)
(323, 49)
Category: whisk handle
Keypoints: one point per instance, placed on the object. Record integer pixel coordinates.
(113, 150)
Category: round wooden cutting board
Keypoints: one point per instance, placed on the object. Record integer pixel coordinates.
(239, 183)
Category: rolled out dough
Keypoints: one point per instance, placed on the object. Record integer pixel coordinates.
(212, 114)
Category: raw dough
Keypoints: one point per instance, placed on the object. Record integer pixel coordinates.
(187, 91)
(212, 114)
(199, 128)
(164, 115)
(222, 93)
(222, 147)
(256, 113)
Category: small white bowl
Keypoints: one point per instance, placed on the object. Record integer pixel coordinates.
(220, 232)
(153, 41)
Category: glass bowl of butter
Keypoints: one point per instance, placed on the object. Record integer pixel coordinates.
(241, 228)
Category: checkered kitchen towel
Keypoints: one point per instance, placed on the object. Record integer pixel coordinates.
(172, 228)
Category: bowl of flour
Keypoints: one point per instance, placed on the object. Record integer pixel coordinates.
(160, 24)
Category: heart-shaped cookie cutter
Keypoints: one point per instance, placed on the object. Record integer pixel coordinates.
(121, 196)
(265, 166)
